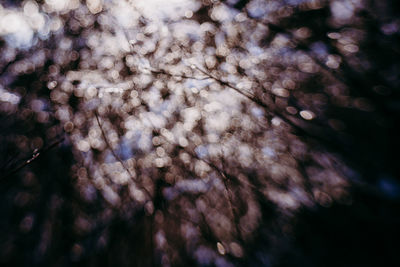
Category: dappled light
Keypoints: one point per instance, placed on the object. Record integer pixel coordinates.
(196, 133)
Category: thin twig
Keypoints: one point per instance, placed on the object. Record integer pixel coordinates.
(117, 157)
(178, 75)
(35, 155)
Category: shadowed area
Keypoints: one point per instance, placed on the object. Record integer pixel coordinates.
(199, 133)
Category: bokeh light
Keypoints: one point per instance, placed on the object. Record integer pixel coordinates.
(187, 132)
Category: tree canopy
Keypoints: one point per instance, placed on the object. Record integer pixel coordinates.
(204, 133)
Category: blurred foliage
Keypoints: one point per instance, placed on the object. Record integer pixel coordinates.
(199, 133)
